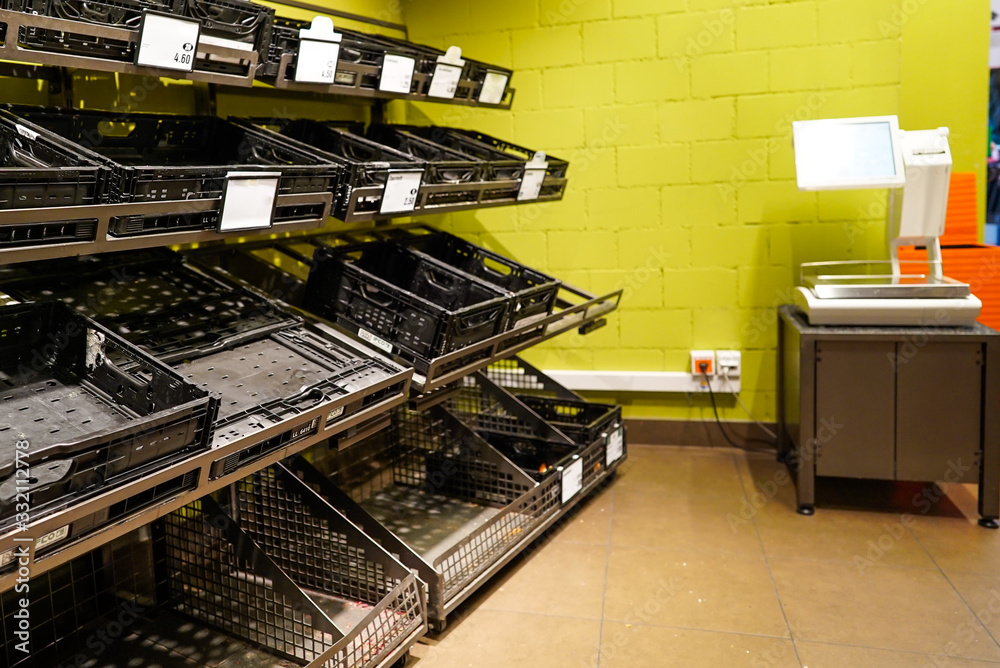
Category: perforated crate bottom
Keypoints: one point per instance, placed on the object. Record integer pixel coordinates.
(430, 524)
(46, 410)
(253, 374)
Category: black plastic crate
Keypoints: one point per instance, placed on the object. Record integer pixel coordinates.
(366, 163)
(40, 170)
(160, 157)
(193, 589)
(505, 161)
(85, 410)
(477, 72)
(402, 302)
(266, 365)
(514, 429)
(583, 421)
(534, 292)
(356, 48)
(444, 164)
(234, 21)
(521, 378)
(116, 13)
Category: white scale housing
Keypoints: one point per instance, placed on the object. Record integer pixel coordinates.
(871, 153)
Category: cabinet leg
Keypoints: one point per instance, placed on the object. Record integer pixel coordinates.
(806, 509)
(989, 523)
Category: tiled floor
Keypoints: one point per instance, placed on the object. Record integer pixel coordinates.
(696, 557)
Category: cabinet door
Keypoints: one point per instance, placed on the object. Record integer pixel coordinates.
(855, 409)
(939, 412)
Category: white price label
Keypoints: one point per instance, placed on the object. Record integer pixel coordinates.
(317, 61)
(333, 415)
(494, 86)
(52, 537)
(444, 83)
(375, 341)
(400, 192)
(248, 200)
(6, 558)
(572, 480)
(167, 42)
(616, 446)
(531, 185)
(397, 74)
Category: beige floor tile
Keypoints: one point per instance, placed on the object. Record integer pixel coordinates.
(716, 592)
(959, 545)
(497, 639)
(590, 523)
(982, 593)
(766, 481)
(710, 523)
(682, 471)
(855, 536)
(560, 579)
(635, 646)
(889, 608)
(821, 655)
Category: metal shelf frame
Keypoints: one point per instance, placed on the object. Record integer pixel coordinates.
(575, 309)
(104, 242)
(463, 95)
(10, 50)
(295, 434)
(478, 195)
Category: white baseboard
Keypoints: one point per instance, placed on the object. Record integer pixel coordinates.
(641, 381)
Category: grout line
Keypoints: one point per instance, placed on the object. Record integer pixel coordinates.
(897, 651)
(607, 564)
(767, 563)
(953, 587)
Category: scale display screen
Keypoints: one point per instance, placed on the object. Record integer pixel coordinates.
(848, 154)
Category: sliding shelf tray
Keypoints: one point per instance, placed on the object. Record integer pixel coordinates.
(194, 589)
(360, 67)
(277, 269)
(429, 490)
(51, 40)
(580, 452)
(168, 158)
(534, 292)
(284, 383)
(83, 412)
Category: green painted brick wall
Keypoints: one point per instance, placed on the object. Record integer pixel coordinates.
(676, 117)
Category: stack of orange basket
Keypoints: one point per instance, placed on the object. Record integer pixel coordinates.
(965, 259)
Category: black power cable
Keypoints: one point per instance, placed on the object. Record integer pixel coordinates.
(703, 367)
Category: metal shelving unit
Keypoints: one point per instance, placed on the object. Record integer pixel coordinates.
(175, 498)
(280, 278)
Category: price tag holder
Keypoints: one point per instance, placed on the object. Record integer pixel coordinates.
(572, 479)
(167, 42)
(447, 74)
(444, 83)
(615, 447)
(397, 74)
(401, 190)
(534, 175)
(248, 201)
(494, 86)
(319, 52)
